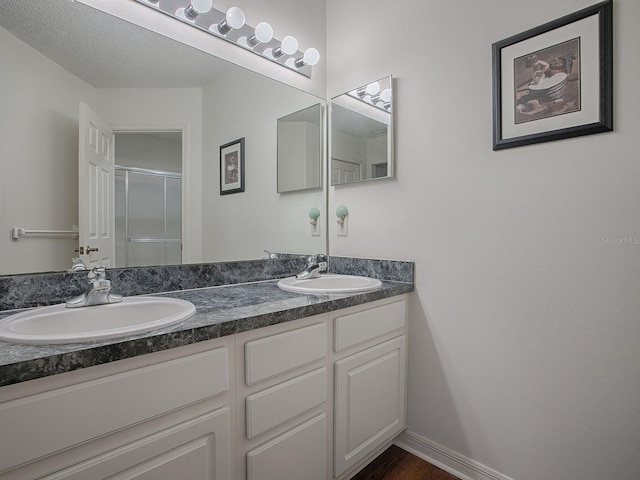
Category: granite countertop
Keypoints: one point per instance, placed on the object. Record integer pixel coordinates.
(220, 311)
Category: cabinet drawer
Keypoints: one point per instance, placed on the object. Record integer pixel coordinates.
(359, 327)
(197, 449)
(271, 356)
(276, 405)
(298, 453)
(77, 413)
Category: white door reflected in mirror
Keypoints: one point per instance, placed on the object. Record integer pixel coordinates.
(96, 167)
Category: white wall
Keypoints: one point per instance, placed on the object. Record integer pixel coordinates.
(259, 218)
(345, 146)
(291, 150)
(299, 156)
(524, 327)
(40, 161)
(166, 108)
(149, 151)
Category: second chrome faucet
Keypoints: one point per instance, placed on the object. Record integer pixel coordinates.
(316, 264)
(99, 293)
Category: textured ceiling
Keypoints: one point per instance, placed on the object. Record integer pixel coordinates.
(105, 51)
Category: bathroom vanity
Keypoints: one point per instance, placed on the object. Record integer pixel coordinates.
(258, 384)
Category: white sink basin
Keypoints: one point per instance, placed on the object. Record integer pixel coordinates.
(58, 324)
(328, 283)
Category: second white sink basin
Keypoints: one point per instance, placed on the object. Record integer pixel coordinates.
(329, 283)
(58, 324)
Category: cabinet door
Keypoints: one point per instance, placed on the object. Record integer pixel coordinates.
(199, 449)
(369, 401)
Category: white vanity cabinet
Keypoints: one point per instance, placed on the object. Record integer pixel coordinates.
(163, 415)
(311, 399)
(370, 380)
(318, 398)
(282, 390)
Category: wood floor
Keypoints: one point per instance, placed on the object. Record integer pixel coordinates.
(397, 464)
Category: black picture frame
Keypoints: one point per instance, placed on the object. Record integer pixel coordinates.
(552, 107)
(232, 167)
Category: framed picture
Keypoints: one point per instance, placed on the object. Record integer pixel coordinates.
(555, 81)
(232, 167)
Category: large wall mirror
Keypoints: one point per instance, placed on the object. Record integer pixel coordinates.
(170, 107)
(361, 132)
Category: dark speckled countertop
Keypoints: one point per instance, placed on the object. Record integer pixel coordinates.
(220, 311)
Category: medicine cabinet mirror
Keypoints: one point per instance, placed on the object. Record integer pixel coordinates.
(300, 150)
(361, 133)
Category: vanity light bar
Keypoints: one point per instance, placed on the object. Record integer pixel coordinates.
(371, 95)
(231, 26)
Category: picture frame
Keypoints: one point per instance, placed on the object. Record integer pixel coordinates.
(232, 167)
(555, 81)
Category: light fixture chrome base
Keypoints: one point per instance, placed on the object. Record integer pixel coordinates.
(242, 37)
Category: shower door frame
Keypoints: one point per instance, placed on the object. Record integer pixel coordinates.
(184, 184)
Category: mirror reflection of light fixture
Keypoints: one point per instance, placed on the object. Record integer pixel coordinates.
(372, 89)
(385, 96)
(288, 46)
(234, 18)
(311, 57)
(262, 34)
(231, 26)
(371, 95)
(195, 8)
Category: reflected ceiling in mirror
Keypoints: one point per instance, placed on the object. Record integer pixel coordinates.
(58, 53)
(361, 131)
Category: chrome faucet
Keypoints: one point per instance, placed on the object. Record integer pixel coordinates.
(98, 294)
(316, 264)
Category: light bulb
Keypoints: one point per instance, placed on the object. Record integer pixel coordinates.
(263, 34)
(234, 19)
(385, 96)
(311, 57)
(197, 7)
(372, 88)
(288, 46)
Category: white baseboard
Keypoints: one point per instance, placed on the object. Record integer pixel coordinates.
(446, 459)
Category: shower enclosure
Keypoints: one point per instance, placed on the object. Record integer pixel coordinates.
(148, 202)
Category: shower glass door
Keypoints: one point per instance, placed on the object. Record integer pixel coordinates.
(148, 217)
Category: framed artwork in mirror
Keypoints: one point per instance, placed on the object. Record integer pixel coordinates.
(232, 167)
(554, 81)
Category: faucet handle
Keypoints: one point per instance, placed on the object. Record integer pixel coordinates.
(317, 258)
(77, 265)
(97, 273)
